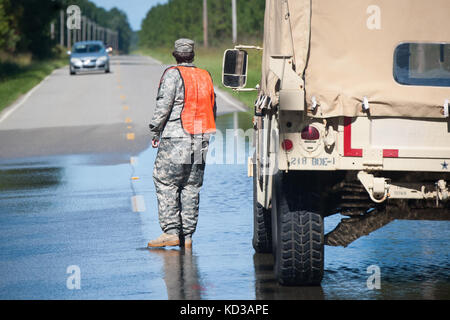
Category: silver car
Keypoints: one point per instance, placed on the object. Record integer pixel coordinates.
(89, 56)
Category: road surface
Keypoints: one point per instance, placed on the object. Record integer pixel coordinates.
(78, 206)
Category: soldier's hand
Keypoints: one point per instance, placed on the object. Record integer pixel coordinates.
(155, 143)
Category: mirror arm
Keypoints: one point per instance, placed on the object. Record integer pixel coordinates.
(240, 47)
(245, 89)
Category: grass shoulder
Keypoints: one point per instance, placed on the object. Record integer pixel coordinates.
(20, 73)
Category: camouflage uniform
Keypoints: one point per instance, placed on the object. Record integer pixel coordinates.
(179, 165)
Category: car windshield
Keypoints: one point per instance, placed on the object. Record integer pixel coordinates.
(87, 48)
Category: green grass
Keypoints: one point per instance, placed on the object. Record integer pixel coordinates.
(18, 76)
(211, 60)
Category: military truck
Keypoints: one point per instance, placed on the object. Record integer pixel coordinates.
(351, 117)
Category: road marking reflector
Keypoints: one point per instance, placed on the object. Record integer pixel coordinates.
(128, 120)
(138, 203)
(126, 107)
(122, 97)
(134, 178)
(129, 127)
(130, 136)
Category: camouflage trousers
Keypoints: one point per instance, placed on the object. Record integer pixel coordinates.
(178, 177)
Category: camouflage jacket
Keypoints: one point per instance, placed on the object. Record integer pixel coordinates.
(166, 121)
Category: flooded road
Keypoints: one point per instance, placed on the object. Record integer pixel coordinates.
(77, 210)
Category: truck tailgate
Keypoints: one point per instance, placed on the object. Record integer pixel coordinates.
(413, 138)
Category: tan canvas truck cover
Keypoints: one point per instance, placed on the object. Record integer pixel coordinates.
(344, 50)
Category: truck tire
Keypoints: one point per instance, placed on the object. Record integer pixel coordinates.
(262, 229)
(298, 234)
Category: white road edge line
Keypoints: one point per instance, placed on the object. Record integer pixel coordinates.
(225, 97)
(153, 60)
(9, 110)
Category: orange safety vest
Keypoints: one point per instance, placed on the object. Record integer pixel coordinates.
(197, 116)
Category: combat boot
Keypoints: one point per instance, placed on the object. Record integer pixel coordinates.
(165, 240)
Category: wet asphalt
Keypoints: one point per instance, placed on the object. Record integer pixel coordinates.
(66, 201)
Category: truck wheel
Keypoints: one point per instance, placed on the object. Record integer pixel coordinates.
(262, 229)
(299, 239)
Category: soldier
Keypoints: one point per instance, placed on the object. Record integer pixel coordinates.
(182, 123)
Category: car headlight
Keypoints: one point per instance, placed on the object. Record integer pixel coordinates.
(75, 60)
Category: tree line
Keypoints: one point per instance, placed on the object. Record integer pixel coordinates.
(25, 24)
(175, 19)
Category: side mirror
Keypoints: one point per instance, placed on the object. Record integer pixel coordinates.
(234, 71)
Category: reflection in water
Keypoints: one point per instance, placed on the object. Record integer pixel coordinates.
(226, 121)
(351, 229)
(267, 287)
(29, 178)
(180, 274)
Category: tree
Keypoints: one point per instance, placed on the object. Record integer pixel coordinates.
(8, 27)
(179, 18)
(113, 19)
(25, 24)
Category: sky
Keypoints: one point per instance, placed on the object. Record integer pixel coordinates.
(136, 10)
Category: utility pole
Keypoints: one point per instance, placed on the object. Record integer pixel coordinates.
(69, 40)
(52, 31)
(205, 23)
(88, 29)
(61, 28)
(84, 28)
(234, 20)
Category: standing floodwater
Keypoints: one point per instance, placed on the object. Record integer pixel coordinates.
(76, 210)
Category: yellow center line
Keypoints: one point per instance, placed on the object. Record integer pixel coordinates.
(138, 203)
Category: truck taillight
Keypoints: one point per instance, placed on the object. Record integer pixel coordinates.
(310, 133)
(287, 145)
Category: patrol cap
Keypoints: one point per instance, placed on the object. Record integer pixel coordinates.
(184, 45)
